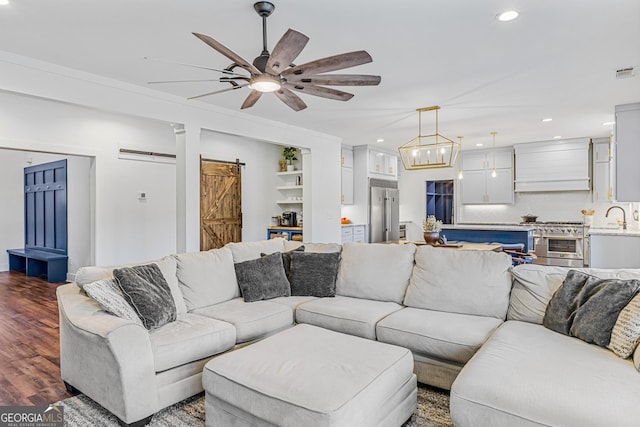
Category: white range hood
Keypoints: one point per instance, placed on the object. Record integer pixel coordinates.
(561, 165)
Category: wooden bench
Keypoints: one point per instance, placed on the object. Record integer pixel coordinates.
(39, 263)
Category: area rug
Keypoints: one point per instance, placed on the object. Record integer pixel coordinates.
(80, 411)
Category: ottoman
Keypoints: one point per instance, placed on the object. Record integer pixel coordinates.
(312, 377)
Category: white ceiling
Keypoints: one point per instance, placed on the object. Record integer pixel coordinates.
(557, 59)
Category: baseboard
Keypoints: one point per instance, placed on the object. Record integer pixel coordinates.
(4, 266)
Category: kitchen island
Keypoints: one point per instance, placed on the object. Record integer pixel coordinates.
(504, 233)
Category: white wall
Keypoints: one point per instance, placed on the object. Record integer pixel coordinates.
(12, 164)
(258, 177)
(60, 110)
(125, 230)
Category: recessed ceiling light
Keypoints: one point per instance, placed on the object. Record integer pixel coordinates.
(479, 144)
(608, 123)
(547, 119)
(380, 140)
(509, 15)
(4, 2)
(557, 137)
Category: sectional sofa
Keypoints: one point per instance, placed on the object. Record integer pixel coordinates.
(472, 322)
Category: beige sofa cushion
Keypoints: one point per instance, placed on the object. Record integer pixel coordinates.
(167, 265)
(436, 334)
(353, 316)
(189, 338)
(252, 320)
(534, 285)
(528, 375)
(207, 278)
(457, 281)
(375, 271)
(290, 245)
(245, 251)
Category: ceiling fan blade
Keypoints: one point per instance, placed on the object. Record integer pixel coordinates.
(251, 99)
(194, 66)
(292, 100)
(286, 50)
(336, 79)
(324, 92)
(228, 53)
(219, 91)
(330, 63)
(181, 81)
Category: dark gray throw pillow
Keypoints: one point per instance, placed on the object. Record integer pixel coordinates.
(262, 278)
(314, 274)
(147, 291)
(563, 304)
(589, 307)
(286, 259)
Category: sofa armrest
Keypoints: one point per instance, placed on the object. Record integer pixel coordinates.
(105, 357)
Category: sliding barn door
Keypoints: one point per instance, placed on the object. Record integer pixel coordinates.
(220, 204)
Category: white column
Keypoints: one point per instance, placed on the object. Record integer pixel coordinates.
(187, 188)
(307, 207)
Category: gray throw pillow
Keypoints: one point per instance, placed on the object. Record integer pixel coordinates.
(147, 291)
(587, 307)
(286, 259)
(109, 296)
(262, 278)
(314, 274)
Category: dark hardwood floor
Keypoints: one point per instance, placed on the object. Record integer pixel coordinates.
(29, 341)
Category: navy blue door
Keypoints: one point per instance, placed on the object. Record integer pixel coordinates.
(45, 207)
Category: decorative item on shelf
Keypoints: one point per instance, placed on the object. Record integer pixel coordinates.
(289, 155)
(283, 165)
(588, 216)
(431, 227)
(345, 220)
(429, 151)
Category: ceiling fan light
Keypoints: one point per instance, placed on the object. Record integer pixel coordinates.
(264, 83)
(507, 16)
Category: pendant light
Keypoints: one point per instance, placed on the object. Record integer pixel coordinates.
(460, 175)
(493, 171)
(429, 151)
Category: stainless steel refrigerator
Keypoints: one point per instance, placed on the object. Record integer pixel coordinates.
(384, 211)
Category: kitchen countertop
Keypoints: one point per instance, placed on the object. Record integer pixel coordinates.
(352, 225)
(608, 231)
(489, 226)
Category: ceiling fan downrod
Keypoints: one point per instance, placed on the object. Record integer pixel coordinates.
(264, 9)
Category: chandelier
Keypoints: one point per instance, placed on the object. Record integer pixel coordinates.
(429, 151)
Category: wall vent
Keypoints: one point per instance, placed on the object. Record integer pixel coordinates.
(624, 73)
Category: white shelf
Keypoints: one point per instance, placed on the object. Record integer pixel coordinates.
(290, 187)
(289, 173)
(289, 202)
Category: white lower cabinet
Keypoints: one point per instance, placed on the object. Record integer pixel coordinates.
(611, 251)
(354, 233)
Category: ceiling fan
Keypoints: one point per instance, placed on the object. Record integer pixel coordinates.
(274, 72)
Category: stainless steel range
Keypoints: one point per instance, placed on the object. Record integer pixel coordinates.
(561, 243)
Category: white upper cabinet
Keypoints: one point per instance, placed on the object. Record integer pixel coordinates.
(347, 177)
(627, 153)
(602, 170)
(347, 158)
(382, 165)
(553, 165)
(478, 185)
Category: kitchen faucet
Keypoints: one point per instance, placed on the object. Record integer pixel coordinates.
(624, 216)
